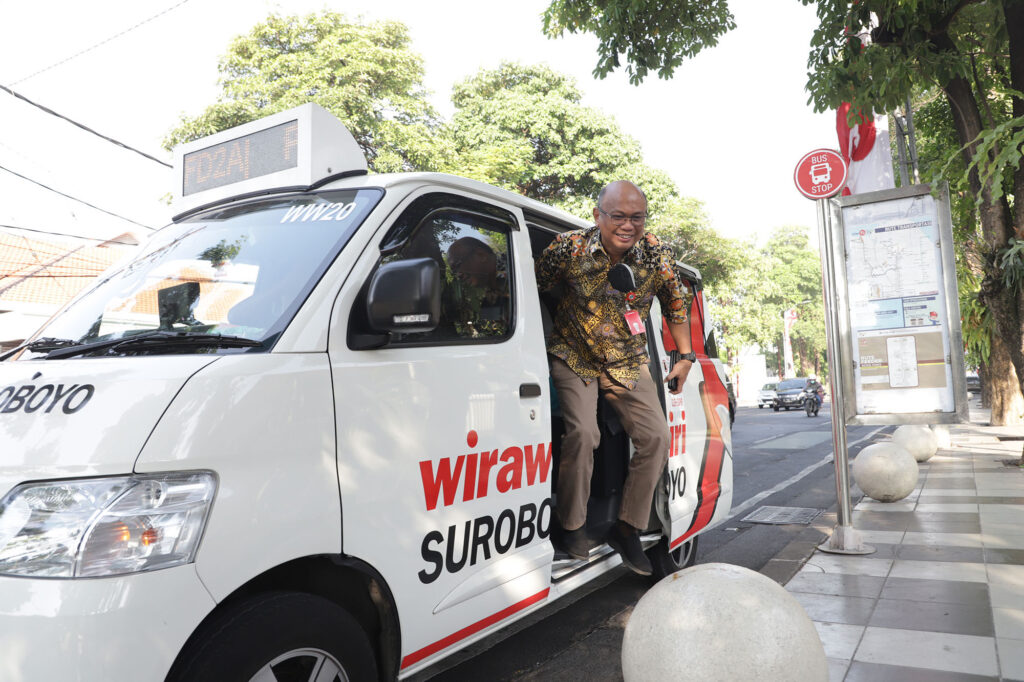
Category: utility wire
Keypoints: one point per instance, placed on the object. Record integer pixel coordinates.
(64, 234)
(82, 126)
(36, 182)
(102, 42)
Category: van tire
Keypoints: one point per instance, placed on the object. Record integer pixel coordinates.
(665, 562)
(248, 637)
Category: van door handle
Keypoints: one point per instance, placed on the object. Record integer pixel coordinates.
(529, 390)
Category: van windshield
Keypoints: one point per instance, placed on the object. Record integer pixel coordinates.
(240, 271)
(790, 384)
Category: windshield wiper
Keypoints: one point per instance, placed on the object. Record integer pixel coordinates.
(42, 345)
(155, 339)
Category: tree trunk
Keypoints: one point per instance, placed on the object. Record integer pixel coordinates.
(1005, 305)
(1004, 390)
(983, 378)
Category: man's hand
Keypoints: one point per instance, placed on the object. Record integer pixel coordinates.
(679, 371)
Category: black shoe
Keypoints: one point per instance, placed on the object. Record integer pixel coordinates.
(572, 542)
(627, 544)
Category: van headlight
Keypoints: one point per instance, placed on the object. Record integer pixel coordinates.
(103, 526)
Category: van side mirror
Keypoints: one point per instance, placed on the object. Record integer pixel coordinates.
(405, 296)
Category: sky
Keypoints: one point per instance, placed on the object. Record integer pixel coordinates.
(728, 128)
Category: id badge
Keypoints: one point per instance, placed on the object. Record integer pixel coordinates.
(634, 323)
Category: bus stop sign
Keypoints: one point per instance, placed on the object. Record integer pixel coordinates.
(820, 174)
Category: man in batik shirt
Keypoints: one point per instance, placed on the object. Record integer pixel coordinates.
(598, 345)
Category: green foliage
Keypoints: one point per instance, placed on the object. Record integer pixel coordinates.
(523, 127)
(1011, 263)
(365, 74)
(651, 35)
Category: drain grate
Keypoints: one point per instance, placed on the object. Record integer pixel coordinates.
(782, 515)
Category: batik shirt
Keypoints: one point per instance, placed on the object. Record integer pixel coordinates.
(590, 332)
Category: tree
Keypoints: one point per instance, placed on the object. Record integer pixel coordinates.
(650, 35)
(365, 74)
(523, 127)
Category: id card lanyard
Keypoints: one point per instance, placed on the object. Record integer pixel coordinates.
(636, 326)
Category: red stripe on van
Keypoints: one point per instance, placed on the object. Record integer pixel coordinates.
(431, 649)
(712, 394)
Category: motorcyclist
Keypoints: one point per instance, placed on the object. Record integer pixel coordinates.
(816, 389)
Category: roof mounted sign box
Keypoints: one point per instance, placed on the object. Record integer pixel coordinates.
(272, 154)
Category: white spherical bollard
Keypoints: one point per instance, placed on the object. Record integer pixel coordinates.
(918, 440)
(942, 439)
(721, 622)
(885, 472)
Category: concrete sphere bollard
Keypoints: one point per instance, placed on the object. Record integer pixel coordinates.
(942, 439)
(918, 440)
(885, 472)
(721, 622)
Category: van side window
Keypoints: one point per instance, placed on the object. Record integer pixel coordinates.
(473, 251)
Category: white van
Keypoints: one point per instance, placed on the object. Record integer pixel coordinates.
(294, 439)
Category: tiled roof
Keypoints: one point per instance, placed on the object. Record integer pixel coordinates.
(51, 271)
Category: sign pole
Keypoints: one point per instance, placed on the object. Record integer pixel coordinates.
(845, 538)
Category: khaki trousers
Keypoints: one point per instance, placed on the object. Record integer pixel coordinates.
(644, 420)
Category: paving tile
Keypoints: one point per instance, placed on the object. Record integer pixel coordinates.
(940, 553)
(959, 619)
(1006, 596)
(944, 525)
(945, 591)
(1011, 658)
(943, 539)
(964, 473)
(827, 608)
(874, 537)
(1002, 492)
(936, 497)
(931, 650)
(942, 508)
(837, 669)
(850, 565)
(1004, 556)
(873, 520)
(1003, 540)
(939, 570)
(875, 672)
(839, 640)
(1001, 527)
(948, 492)
(871, 505)
(960, 482)
(1009, 623)
(1006, 574)
(836, 584)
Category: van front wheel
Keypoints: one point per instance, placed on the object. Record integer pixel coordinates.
(666, 562)
(282, 636)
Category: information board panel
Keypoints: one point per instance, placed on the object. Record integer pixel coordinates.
(899, 315)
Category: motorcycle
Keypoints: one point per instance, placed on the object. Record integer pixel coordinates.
(812, 403)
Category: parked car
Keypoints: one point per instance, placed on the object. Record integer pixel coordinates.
(766, 398)
(973, 382)
(791, 393)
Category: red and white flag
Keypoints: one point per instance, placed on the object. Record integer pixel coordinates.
(865, 146)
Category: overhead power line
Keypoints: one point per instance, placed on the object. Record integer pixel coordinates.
(64, 234)
(102, 42)
(36, 182)
(83, 126)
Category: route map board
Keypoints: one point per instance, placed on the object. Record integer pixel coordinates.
(900, 339)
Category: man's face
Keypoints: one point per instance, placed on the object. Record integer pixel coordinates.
(621, 202)
(472, 266)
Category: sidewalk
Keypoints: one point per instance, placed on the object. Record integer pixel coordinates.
(942, 598)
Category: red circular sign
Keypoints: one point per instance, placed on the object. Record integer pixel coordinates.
(820, 174)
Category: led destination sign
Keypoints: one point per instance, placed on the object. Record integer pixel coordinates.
(250, 156)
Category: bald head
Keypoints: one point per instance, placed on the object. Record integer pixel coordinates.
(620, 215)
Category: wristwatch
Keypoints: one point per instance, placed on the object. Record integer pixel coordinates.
(691, 356)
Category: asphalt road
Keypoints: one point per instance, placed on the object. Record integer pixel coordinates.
(779, 459)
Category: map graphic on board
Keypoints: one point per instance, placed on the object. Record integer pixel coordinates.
(897, 303)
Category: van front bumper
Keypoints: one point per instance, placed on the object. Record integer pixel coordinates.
(124, 628)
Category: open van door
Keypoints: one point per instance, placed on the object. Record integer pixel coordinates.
(696, 490)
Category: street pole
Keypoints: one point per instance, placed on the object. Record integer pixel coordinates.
(845, 538)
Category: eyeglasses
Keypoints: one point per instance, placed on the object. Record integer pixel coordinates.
(638, 220)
